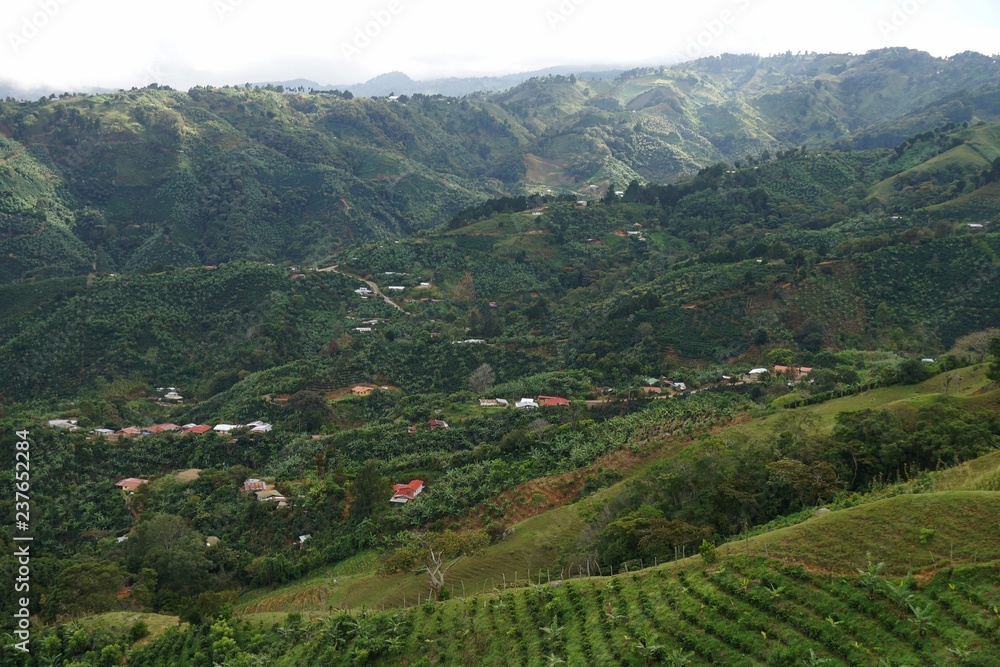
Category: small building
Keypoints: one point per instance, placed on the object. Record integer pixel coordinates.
(552, 402)
(437, 423)
(793, 373)
(678, 386)
(197, 429)
(974, 225)
(104, 432)
(526, 403)
(259, 427)
(410, 430)
(652, 390)
(130, 484)
(129, 432)
(271, 496)
(363, 291)
(493, 403)
(404, 493)
(362, 390)
(172, 396)
(363, 329)
(253, 484)
(395, 288)
(63, 424)
(225, 428)
(160, 428)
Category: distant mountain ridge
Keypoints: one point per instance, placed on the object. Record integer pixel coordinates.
(155, 177)
(399, 83)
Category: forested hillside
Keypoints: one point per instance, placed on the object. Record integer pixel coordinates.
(154, 177)
(281, 359)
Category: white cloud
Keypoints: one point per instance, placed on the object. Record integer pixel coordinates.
(120, 43)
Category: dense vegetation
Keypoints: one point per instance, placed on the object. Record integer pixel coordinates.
(332, 265)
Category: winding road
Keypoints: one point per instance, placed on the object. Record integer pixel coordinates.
(372, 286)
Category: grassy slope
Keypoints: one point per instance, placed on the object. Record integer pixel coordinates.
(919, 533)
(536, 543)
(119, 622)
(920, 395)
(981, 147)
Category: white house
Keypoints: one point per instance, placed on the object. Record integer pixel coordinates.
(526, 403)
(363, 291)
(225, 428)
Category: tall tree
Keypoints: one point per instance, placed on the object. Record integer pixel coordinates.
(311, 408)
(370, 491)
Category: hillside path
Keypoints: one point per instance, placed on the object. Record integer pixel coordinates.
(372, 286)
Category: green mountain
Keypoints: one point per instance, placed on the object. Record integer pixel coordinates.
(154, 177)
(808, 251)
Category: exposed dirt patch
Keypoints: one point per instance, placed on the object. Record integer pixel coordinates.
(545, 493)
(188, 475)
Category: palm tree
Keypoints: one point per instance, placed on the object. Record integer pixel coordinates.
(814, 660)
(921, 618)
(676, 657)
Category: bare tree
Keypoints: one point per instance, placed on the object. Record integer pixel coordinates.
(974, 347)
(435, 554)
(482, 379)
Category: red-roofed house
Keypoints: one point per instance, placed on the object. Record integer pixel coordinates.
(129, 432)
(199, 429)
(130, 484)
(652, 390)
(404, 493)
(437, 423)
(552, 401)
(160, 428)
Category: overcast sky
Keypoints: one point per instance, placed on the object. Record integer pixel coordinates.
(73, 44)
